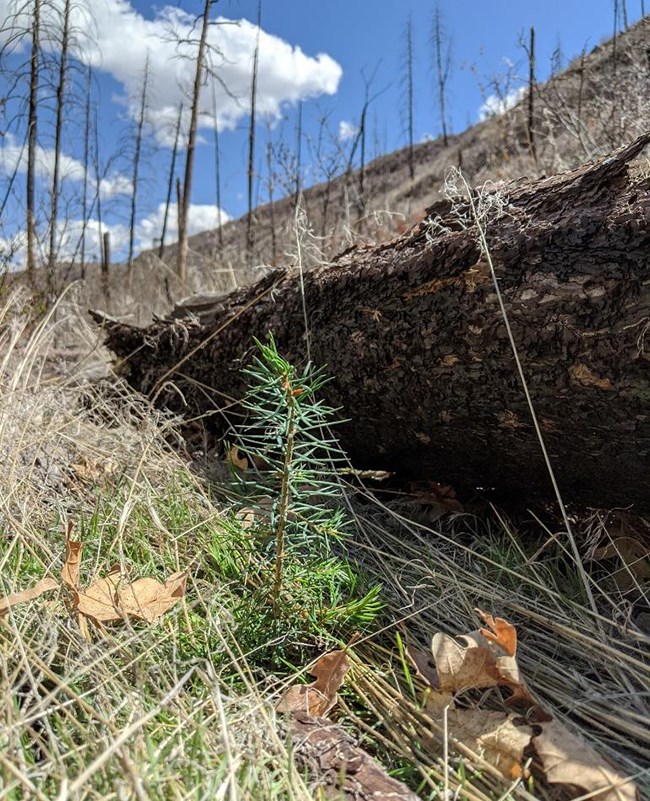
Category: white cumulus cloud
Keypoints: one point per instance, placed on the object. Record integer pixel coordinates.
(201, 217)
(496, 105)
(116, 38)
(13, 157)
(347, 130)
(69, 238)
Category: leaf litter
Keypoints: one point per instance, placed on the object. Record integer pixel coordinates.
(512, 741)
(110, 598)
(518, 743)
(319, 697)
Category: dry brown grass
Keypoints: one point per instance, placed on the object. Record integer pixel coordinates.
(177, 711)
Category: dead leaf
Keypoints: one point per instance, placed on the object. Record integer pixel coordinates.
(99, 599)
(147, 599)
(493, 735)
(587, 378)
(461, 667)
(435, 700)
(636, 563)
(502, 633)
(234, 458)
(44, 585)
(424, 665)
(485, 658)
(93, 471)
(439, 499)
(488, 657)
(330, 671)
(568, 759)
(316, 699)
(246, 517)
(144, 599)
(70, 572)
(304, 698)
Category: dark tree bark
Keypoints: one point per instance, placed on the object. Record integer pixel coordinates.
(412, 334)
(170, 181)
(250, 227)
(137, 153)
(58, 133)
(30, 190)
(184, 200)
(340, 769)
(84, 193)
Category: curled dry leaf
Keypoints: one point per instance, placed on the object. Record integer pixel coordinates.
(635, 558)
(307, 699)
(495, 736)
(500, 632)
(99, 599)
(237, 460)
(70, 572)
(107, 599)
(438, 499)
(462, 667)
(144, 599)
(488, 658)
(44, 585)
(485, 658)
(148, 599)
(435, 700)
(568, 759)
(316, 699)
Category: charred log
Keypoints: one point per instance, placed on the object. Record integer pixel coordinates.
(337, 766)
(412, 333)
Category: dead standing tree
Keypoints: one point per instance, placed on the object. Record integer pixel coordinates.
(250, 230)
(442, 65)
(32, 142)
(532, 83)
(412, 333)
(137, 154)
(184, 200)
(408, 80)
(359, 142)
(58, 131)
(86, 158)
(170, 180)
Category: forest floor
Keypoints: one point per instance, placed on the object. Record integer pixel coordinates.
(178, 701)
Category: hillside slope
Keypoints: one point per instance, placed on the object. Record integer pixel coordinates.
(598, 103)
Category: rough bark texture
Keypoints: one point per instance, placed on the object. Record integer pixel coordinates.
(340, 769)
(412, 333)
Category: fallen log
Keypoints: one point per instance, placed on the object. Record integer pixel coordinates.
(337, 766)
(413, 335)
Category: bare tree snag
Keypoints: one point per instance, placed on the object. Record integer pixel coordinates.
(56, 174)
(412, 334)
(170, 182)
(250, 228)
(137, 153)
(340, 769)
(30, 190)
(184, 207)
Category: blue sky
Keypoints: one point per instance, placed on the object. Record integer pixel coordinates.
(312, 52)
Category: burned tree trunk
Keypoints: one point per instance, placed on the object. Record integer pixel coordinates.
(412, 333)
